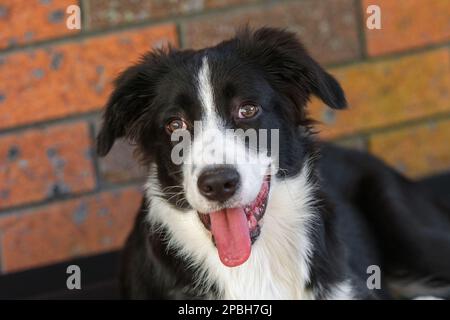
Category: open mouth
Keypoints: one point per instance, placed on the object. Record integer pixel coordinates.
(234, 230)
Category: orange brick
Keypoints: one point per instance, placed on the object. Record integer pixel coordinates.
(408, 24)
(65, 230)
(64, 79)
(27, 21)
(416, 151)
(45, 163)
(388, 92)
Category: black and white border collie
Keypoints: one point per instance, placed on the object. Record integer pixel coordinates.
(310, 230)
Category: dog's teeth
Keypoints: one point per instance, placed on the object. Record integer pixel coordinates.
(253, 222)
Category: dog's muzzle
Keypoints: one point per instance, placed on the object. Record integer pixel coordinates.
(234, 230)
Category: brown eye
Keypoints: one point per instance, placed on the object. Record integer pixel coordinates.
(175, 124)
(248, 111)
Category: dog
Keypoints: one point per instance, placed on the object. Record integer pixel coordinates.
(309, 221)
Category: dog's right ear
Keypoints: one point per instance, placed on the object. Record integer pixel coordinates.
(133, 93)
(120, 103)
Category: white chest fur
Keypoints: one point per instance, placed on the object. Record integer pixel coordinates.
(278, 265)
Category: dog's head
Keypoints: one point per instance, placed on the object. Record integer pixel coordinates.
(258, 82)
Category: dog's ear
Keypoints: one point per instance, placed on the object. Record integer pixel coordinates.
(120, 103)
(326, 87)
(291, 67)
(133, 93)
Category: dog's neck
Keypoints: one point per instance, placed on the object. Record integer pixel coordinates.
(279, 266)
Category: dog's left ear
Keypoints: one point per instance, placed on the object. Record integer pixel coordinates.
(290, 67)
(326, 87)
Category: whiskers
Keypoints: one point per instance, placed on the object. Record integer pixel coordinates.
(174, 193)
(170, 188)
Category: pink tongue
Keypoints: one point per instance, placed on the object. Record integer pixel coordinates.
(231, 234)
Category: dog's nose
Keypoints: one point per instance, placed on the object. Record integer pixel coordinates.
(218, 184)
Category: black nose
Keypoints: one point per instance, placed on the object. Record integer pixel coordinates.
(219, 183)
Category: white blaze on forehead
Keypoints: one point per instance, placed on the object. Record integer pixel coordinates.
(212, 146)
(205, 90)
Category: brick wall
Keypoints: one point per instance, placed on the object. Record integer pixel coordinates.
(58, 200)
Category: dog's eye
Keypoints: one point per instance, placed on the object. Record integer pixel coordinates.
(247, 111)
(175, 124)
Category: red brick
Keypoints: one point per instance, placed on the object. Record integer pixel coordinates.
(388, 92)
(418, 150)
(408, 24)
(328, 28)
(68, 229)
(43, 163)
(105, 13)
(27, 21)
(65, 79)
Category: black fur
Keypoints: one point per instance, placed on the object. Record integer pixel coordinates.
(367, 214)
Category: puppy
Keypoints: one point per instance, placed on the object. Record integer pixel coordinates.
(279, 216)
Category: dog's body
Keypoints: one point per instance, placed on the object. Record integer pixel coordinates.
(370, 198)
(318, 228)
